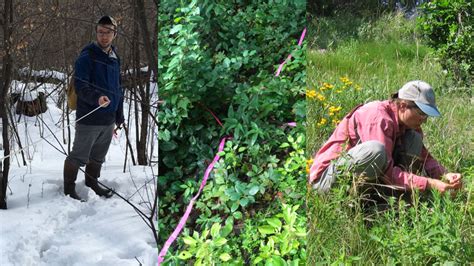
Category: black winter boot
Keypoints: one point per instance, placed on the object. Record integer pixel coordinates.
(70, 176)
(92, 173)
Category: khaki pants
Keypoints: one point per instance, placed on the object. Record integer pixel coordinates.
(370, 160)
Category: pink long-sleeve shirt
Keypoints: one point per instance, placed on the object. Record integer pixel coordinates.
(376, 120)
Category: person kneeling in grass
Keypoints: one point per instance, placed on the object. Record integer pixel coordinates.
(382, 142)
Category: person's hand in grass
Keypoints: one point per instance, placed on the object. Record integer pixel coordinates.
(454, 179)
(442, 186)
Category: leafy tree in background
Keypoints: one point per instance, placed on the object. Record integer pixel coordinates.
(449, 28)
(368, 8)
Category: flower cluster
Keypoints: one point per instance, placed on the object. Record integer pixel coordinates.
(326, 96)
(348, 83)
(322, 122)
(309, 162)
(312, 94)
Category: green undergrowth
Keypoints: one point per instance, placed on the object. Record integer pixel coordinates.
(425, 228)
(219, 58)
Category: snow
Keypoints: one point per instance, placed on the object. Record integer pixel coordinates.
(28, 91)
(43, 227)
(44, 73)
(132, 70)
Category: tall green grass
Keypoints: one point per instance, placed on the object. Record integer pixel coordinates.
(434, 228)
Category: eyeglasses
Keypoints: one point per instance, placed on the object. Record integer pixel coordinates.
(418, 111)
(105, 33)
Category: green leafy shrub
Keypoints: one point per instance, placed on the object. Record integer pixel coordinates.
(449, 28)
(221, 56)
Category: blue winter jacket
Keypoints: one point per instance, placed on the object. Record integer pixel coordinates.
(97, 74)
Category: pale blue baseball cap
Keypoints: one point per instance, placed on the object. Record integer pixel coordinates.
(422, 94)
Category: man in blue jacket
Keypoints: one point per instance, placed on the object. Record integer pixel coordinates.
(99, 108)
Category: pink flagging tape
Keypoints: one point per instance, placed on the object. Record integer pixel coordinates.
(184, 218)
(289, 56)
(302, 37)
(215, 117)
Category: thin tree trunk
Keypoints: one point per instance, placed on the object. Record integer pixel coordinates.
(142, 147)
(5, 79)
(137, 127)
(128, 144)
(142, 19)
(145, 92)
(15, 131)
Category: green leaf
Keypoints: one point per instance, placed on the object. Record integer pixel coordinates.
(244, 202)
(227, 229)
(299, 139)
(266, 230)
(176, 28)
(225, 257)
(165, 135)
(257, 260)
(189, 241)
(220, 241)
(184, 255)
(226, 62)
(253, 190)
(216, 227)
(169, 160)
(284, 145)
(237, 215)
(276, 261)
(234, 207)
(168, 145)
(183, 103)
(274, 222)
(205, 233)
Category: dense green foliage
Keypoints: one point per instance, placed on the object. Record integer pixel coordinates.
(423, 229)
(221, 56)
(449, 28)
(365, 8)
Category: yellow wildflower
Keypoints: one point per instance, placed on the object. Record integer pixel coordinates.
(335, 121)
(322, 122)
(309, 162)
(344, 79)
(334, 109)
(310, 93)
(328, 85)
(320, 97)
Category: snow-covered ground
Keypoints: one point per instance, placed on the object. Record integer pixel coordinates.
(44, 227)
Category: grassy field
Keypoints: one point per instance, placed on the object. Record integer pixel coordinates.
(367, 62)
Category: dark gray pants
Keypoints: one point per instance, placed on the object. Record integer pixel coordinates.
(370, 160)
(91, 143)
